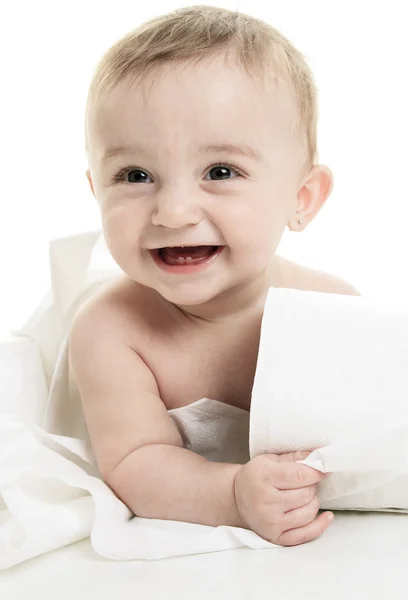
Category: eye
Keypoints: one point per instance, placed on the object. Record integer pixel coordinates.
(221, 171)
(140, 176)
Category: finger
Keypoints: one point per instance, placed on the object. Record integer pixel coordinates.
(293, 456)
(299, 517)
(291, 499)
(287, 476)
(300, 535)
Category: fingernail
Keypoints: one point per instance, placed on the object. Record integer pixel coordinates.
(330, 517)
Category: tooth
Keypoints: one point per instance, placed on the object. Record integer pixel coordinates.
(180, 259)
(188, 258)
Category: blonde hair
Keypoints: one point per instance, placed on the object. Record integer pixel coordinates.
(189, 35)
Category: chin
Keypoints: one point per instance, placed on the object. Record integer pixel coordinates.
(187, 295)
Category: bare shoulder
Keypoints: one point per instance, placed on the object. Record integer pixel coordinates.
(112, 310)
(304, 278)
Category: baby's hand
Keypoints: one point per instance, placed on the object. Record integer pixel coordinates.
(276, 498)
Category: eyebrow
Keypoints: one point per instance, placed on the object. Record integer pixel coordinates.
(239, 148)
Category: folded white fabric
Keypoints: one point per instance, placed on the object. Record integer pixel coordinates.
(332, 372)
(23, 388)
(53, 494)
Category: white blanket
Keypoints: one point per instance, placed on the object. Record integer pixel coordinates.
(331, 372)
(54, 496)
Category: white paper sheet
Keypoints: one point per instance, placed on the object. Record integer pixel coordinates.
(332, 372)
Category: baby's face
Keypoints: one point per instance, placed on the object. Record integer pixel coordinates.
(170, 193)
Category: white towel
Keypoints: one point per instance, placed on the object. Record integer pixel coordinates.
(343, 387)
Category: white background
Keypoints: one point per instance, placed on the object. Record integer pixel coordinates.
(357, 50)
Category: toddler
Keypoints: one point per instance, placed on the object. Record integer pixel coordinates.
(201, 142)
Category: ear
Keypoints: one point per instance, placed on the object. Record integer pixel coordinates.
(313, 192)
(88, 175)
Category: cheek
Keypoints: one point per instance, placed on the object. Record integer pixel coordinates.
(122, 226)
(255, 228)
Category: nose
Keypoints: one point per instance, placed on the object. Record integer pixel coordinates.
(175, 208)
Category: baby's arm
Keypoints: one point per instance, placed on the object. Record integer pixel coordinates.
(138, 449)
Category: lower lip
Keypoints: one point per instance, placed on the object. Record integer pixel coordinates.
(186, 268)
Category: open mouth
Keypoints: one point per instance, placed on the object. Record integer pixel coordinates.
(186, 255)
(185, 260)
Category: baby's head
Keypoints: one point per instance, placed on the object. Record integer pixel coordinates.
(201, 130)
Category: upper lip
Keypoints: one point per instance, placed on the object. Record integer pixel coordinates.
(181, 246)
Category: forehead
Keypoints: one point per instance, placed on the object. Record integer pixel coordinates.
(183, 106)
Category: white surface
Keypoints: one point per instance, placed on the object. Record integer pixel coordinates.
(360, 557)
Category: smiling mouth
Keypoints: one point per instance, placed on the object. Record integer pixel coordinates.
(190, 255)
